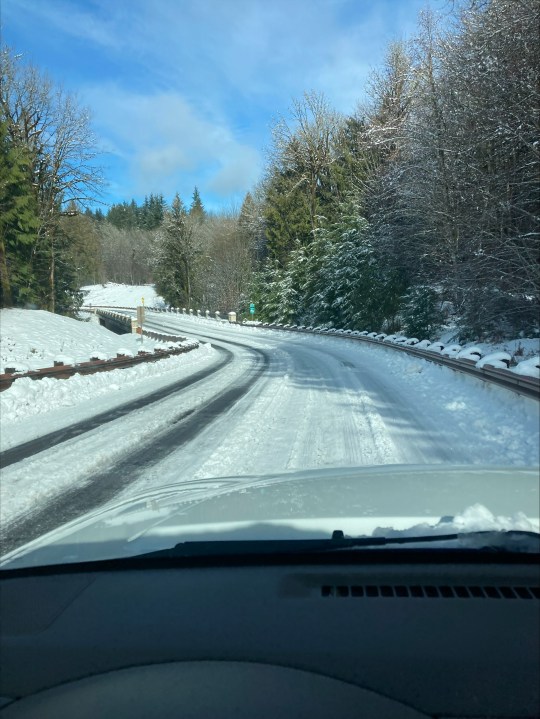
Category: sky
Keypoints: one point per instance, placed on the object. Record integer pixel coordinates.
(184, 93)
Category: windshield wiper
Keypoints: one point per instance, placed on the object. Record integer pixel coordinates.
(491, 546)
(507, 541)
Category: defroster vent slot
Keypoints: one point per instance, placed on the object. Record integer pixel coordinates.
(428, 591)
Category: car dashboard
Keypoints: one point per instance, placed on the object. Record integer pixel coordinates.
(380, 634)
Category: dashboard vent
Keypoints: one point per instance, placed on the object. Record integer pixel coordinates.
(428, 591)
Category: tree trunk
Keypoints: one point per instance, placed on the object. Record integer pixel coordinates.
(52, 281)
(7, 299)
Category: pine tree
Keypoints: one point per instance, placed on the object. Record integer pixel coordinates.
(196, 210)
(420, 312)
(19, 222)
(286, 216)
(177, 256)
(83, 250)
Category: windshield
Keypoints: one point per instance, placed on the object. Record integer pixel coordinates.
(269, 272)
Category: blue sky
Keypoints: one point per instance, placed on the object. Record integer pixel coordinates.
(185, 92)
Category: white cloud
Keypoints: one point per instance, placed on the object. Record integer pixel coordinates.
(240, 164)
(161, 162)
(169, 145)
(174, 81)
(68, 18)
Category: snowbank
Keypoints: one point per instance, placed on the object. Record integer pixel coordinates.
(31, 339)
(115, 295)
(529, 368)
(27, 397)
(519, 349)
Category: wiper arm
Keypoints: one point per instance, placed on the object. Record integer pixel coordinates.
(508, 541)
(498, 546)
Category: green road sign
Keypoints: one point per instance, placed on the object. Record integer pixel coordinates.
(252, 308)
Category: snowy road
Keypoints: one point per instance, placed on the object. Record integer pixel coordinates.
(285, 402)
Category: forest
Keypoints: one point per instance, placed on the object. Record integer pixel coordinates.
(420, 208)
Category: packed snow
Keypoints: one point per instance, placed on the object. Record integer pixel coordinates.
(27, 397)
(322, 402)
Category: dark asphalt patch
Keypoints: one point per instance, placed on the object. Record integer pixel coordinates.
(103, 487)
(34, 446)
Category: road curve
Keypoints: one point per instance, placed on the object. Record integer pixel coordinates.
(285, 402)
(320, 403)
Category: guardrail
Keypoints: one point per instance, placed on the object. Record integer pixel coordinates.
(521, 384)
(121, 361)
(115, 321)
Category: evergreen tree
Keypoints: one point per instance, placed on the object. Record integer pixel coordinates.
(420, 312)
(19, 222)
(196, 209)
(351, 170)
(47, 124)
(177, 256)
(265, 291)
(83, 248)
(286, 216)
(124, 215)
(150, 215)
(351, 289)
(281, 290)
(54, 267)
(67, 295)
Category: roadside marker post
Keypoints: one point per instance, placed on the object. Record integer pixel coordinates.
(140, 319)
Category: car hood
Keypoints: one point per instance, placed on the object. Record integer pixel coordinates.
(297, 505)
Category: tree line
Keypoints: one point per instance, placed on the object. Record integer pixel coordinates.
(424, 203)
(421, 205)
(52, 242)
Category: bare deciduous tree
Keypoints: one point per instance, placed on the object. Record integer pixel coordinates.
(50, 123)
(305, 146)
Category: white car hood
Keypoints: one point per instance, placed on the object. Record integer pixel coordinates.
(382, 500)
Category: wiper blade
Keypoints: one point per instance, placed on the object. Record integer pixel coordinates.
(509, 541)
(492, 546)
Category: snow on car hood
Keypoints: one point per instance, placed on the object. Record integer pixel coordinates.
(364, 501)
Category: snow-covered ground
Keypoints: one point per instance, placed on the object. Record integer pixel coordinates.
(30, 339)
(341, 393)
(29, 484)
(519, 349)
(116, 295)
(321, 402)
(24, 405)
